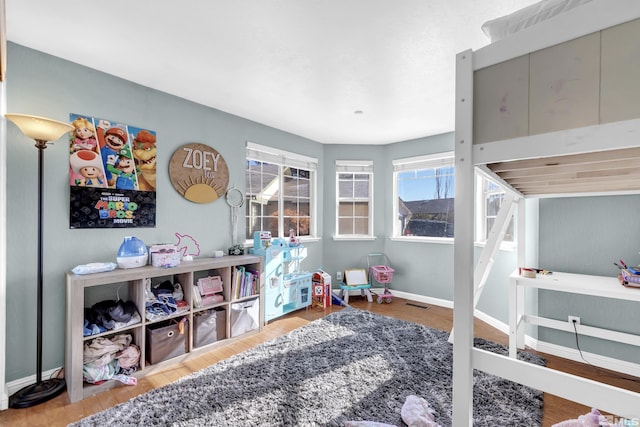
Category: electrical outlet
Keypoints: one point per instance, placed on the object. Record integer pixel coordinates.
(574, 319)
(339, 276)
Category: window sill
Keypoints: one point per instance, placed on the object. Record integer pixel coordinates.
(309, 239)
(304, 239)
(418, 239)
(355, 238)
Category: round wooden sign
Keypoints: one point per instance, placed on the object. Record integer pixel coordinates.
(199, 173)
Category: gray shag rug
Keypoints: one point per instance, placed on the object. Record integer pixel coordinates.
(349, 365)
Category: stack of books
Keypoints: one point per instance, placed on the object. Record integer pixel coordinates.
(245, 283)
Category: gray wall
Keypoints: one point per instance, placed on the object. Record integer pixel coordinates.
(420, 268)
(585, 235)
(47, 86)
(51, 87)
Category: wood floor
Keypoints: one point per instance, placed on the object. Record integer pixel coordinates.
(60, 412)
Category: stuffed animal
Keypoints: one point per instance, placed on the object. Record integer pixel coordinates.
(415, 412)
(592, 419)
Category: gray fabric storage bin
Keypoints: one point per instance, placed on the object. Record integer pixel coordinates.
(165, 341)
(209, 326)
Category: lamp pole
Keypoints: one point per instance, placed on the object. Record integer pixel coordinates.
(40, 145)
(42, 130)
(41, 391)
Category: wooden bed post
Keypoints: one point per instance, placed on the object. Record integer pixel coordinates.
(463, 244)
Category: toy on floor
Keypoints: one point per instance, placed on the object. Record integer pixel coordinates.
(416, 412)
(380, 272)
(321, 289)
(355, 279)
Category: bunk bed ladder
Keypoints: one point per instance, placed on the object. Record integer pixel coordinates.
(488, 256)
(496, 235)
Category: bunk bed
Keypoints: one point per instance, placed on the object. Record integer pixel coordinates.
(551, 109)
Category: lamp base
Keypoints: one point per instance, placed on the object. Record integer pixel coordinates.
(37, 393)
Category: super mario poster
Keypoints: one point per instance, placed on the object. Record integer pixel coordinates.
(112, 174)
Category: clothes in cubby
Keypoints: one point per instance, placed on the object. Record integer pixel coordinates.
(109, 315)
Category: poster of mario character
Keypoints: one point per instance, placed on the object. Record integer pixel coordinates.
(82, 138)
(143, 142)
(86, 165)
(110, 186)
(124, 171)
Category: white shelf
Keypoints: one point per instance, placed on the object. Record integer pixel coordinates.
(583, 284)
(580, 284)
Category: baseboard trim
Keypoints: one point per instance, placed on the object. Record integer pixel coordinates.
(4, 399)
(418, 298)
(593, 359)
(616, 365)
(492, 321)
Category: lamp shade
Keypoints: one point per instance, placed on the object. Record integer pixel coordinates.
(39, 128)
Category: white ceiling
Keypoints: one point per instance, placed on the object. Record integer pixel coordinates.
(302, 66)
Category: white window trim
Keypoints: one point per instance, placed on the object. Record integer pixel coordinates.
(423, 162)
(481, 209)
(445, 158)
(279, 157)
(354, 166)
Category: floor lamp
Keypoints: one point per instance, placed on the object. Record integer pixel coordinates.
(42, 130)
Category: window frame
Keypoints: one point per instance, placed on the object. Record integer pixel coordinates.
(429, 161)
(481, 229)
(359, 167)
(284, 159)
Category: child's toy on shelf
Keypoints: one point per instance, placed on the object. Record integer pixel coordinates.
(210, 290)
(261, 239)
(236, 250)
(164, 255)
(293, 239)
(382, 273)
(628, 276)
(629, 279)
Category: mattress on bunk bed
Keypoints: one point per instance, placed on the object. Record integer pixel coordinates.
(500, 28)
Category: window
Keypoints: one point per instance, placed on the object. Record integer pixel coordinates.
(490, 199)
(424, 196)
(354, 190)
(280, 188)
